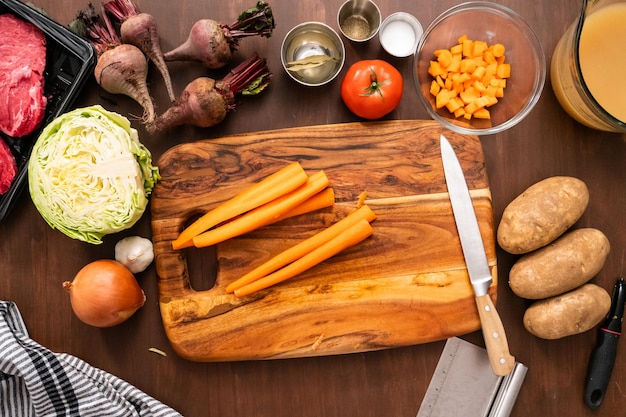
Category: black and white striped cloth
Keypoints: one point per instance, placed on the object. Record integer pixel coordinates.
(37, 382)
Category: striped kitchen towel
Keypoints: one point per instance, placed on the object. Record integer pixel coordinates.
(37, 382)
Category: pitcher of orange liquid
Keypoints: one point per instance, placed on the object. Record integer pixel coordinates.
(588, 66)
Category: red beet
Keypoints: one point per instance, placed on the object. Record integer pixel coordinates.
(205, 102)
(140, 29)
(212, 43)
(121, 68)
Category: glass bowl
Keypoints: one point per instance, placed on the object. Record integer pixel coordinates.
(492, 23)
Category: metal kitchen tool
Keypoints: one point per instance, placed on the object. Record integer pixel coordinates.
(603, 356)
(463, 384)
(478, 268)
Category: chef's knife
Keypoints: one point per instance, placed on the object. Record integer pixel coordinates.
(603, 356)
(501, 360)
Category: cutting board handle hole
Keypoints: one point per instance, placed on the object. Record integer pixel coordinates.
(202, 267)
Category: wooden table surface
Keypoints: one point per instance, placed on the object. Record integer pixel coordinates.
(35, 259)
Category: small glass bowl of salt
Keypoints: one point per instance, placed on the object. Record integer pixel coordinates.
(399, 34)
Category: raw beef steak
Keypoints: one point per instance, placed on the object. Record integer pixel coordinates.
(8, 167)
(22, 66)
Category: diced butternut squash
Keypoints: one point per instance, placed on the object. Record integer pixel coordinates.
(478, 73)
(440, 81)
(436, 69)
(489, 57)
(468, 47)
(503, 71)
(479, 48)
(445, 58)
(498, 50)
(482, 114)
(455, 63)
(457, 49)
(454, 104)
(435, 87)
(469, 77)
(467, 66)
(443, 97)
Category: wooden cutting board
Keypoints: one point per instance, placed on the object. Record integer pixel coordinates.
(407, 284)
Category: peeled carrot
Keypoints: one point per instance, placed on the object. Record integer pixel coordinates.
(323, 199)
(304, 247)
(271, 187)
(355, 234)
(264, 214)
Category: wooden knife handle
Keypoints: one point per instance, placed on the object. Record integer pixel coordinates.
(501, 360)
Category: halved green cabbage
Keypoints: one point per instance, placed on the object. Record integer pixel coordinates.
(89, 175)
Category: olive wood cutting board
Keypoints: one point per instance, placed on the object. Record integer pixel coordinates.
(406, 284)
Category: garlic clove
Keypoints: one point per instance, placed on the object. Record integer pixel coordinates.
(134, 252)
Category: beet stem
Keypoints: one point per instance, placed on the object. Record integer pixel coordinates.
(243, 75)
(94, 28)
(121, 9)
(257, 20)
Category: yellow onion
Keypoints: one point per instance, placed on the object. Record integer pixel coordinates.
(104, 293)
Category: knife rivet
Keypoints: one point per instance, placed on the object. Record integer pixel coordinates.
(495, 335)
(502, 361)
(487, 308)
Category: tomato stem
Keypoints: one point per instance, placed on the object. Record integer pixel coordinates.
(375, 85)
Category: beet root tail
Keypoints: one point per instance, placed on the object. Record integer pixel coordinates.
(141, 31)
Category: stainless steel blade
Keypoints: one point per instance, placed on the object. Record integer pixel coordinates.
(501, 360)
(465, 216)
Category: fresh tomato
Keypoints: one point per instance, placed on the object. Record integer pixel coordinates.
(371, 88)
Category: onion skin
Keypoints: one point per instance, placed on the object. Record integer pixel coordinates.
(104, 293)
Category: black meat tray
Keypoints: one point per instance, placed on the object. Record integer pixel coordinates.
(70, 61)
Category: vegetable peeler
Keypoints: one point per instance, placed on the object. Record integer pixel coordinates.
(603, 356)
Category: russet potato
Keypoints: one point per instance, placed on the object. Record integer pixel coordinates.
(542, 213)
(567, 263)
(568, 314)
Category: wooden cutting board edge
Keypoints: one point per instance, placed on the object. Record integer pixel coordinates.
(178, 334)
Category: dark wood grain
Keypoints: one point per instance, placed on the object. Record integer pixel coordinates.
(405, 285)
(35, 260)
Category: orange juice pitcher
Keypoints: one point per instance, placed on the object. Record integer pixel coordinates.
(587, 69)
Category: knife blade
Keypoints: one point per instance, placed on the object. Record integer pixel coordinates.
(501, 361)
